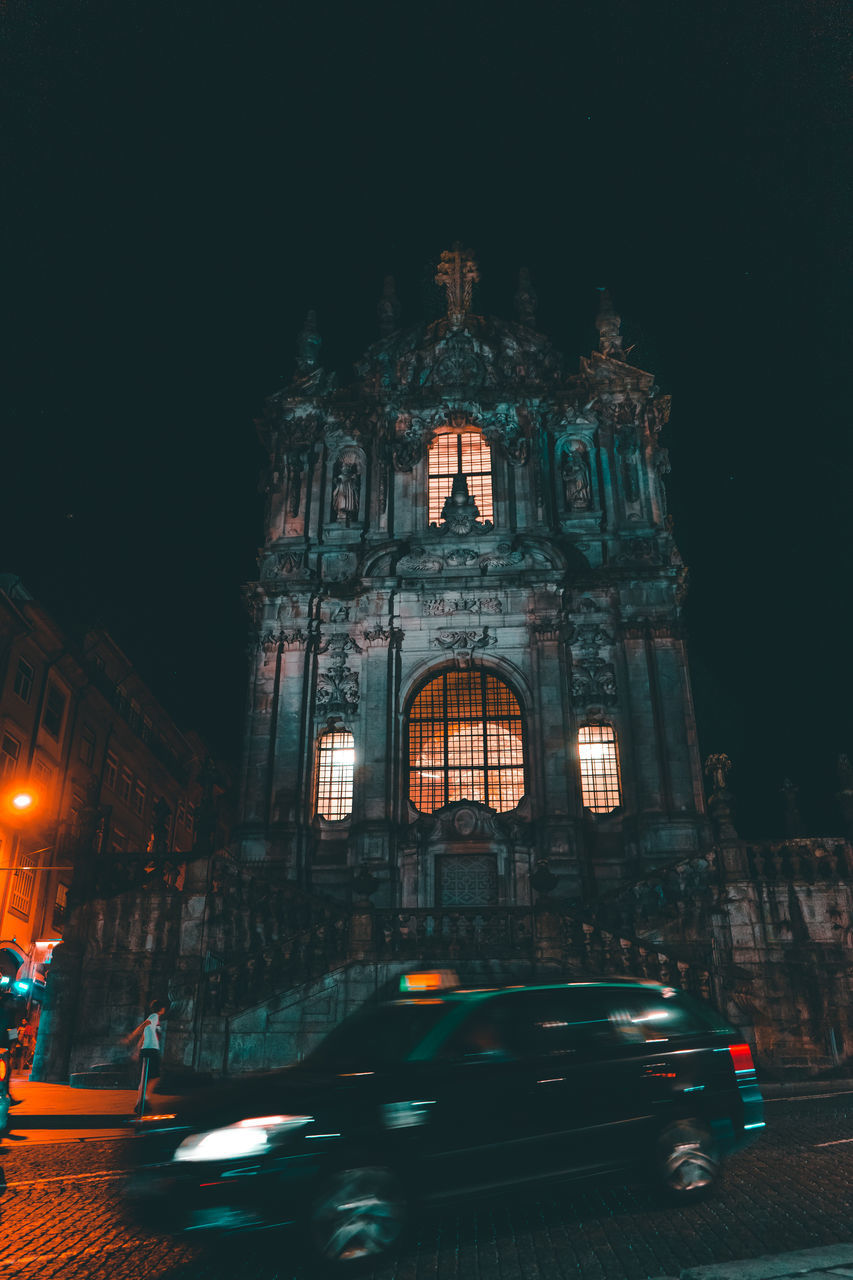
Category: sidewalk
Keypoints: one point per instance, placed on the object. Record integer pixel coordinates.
(58, 1106)
(834, 1260)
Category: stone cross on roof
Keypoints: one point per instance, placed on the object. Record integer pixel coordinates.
(458, 273)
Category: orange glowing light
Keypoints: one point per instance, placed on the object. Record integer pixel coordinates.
(23, 800)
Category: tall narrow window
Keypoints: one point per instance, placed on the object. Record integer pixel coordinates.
(24, 677)
(54, 710)
(456, 451)
(465, 743)
(9, 755)
(599, 761)
(23, 880)
(335, 768)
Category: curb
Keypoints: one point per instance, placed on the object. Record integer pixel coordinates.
(58, 1121)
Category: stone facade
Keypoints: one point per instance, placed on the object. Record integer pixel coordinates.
(567, 589)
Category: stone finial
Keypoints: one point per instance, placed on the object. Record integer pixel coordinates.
(525, 300)
(457, 273)
(793, 823)
(388, 308)
(609, 324)
(308, 346)
(717, 770)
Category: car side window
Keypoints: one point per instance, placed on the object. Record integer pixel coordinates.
(650, 1016)
(560, 1022)
(484, 1035)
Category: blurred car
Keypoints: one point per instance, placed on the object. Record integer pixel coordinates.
(448, 1091)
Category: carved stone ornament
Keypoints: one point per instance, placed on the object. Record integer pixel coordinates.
(502, 557)
(338, 644)
(639, 551)
(379, 636)
(441, 608)
(254, 598)
(460, 511)
(289, 564)
(590, 638)
(470, 640)
(457, 273)
(593, 681)
(339, 566)
(337, 688)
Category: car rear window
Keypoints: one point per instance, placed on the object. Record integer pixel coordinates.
(377, 1037)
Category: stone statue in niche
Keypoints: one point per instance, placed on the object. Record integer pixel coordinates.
(577, 488)
(345, 494)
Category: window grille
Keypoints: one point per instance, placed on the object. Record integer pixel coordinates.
(23, 880)
(335, 768)
(465, 743)
(456, 451)
(599, 761)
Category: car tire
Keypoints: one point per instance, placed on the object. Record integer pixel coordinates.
(358, 1216)
(687, 1163)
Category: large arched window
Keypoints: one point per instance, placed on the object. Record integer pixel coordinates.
(335, 768)
(599, 761)
(465, 743)
(450, 453)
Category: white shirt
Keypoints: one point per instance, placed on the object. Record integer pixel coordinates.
(151, 1032)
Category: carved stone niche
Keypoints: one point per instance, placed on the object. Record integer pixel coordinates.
(575, 481)
(346, 469)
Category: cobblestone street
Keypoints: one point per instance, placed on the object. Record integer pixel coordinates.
(63, 1217)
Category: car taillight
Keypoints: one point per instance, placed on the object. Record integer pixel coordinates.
(4, 1067)
(741, 1057)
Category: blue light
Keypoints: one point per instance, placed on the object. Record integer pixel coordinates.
(22, 986)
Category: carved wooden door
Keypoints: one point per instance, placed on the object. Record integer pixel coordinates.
(467, 880)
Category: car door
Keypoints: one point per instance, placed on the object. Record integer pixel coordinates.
(479, 1104)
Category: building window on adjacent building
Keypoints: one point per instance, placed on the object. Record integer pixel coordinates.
(125, 783)
(599, 761)
(87, 744)
(181, 815)
(450, 453)
(118, 840)
(111, 770)
(139, 797)
(24, 677)
(60, 906)
(335, 768)
(23, 879)
(9, 755)
(465, 743)
(43, 772)
(54, 710)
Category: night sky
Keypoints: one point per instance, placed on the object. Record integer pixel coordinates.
(184, 180)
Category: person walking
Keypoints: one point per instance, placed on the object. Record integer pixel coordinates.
(150, 1050)
(26, 1043)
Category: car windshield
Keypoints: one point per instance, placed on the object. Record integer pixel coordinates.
(377, 1037)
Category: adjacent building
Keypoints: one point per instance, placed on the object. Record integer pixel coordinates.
(83, 740)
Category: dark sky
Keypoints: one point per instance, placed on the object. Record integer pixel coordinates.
(183, 180)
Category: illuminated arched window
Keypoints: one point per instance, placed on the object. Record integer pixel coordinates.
(465, 743)
(450, 453)
(599, 760)
(335, 767)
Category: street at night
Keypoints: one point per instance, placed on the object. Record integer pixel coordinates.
(64, 1216)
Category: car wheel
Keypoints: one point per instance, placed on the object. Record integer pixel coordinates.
(688, 1165)
(357, 1216)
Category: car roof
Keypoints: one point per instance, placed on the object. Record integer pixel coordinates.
(472, 994)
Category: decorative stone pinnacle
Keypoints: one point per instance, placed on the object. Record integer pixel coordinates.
(457, 273)
(609, 324)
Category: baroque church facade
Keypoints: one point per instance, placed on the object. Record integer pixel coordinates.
(467, 660)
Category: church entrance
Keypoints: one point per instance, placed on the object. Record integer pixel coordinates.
(467, 880)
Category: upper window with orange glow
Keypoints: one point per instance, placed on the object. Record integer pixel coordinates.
(335, 768)
(456, 451)
(465, 743)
